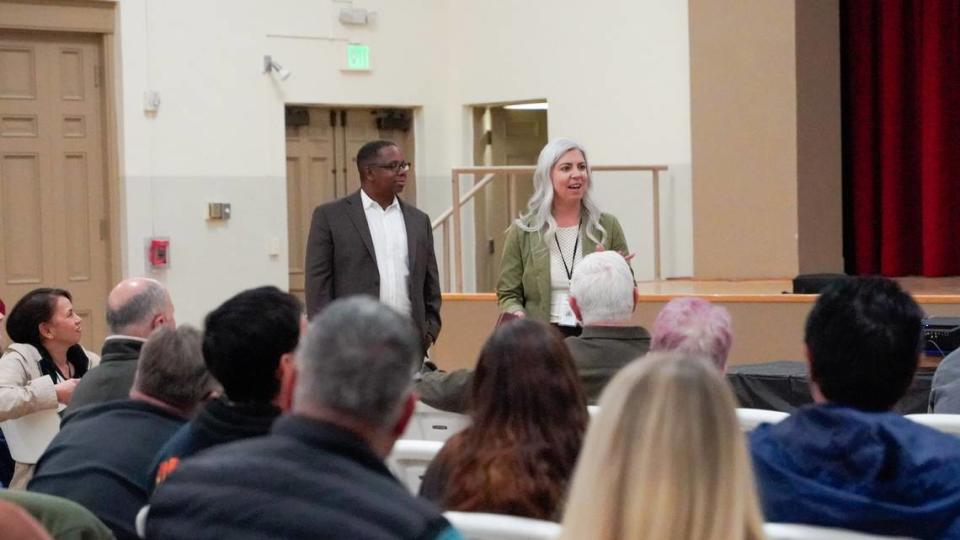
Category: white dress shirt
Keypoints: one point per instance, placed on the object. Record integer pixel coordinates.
(389, 233)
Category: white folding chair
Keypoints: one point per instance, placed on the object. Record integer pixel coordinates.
(795, 531)
(594, 410)
(409, 460)
(947, 423)
(749, 419)
(479, 526)
(140, 522)
(431, 424)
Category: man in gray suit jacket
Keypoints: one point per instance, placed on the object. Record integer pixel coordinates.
(372, 243)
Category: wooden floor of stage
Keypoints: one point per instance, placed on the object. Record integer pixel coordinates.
(917, 286)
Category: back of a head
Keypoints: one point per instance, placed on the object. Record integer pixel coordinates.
(529, 416)
(864, 340)
(358, 358)
(171, 368)
(664, 458)
(245, 337)
(132, 315)
(520, 356)
(603, 286)
(693, 326)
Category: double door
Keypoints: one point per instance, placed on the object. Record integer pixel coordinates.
(322, 167)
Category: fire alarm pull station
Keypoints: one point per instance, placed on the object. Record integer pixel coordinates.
(159, 252)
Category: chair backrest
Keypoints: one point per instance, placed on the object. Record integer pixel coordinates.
(594, 410)
(432, 424)
(947, 423)
(140, 522)
(749, 419)
(29, 435)
(409, 460)
(479, 526)
(795, 531)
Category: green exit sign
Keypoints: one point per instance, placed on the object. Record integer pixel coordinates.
(358, 57)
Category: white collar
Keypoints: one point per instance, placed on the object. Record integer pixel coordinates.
(367, 201)
(121, 336)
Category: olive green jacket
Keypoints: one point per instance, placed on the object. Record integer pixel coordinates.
(524, 282)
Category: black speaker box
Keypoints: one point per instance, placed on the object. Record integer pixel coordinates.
(814, 283)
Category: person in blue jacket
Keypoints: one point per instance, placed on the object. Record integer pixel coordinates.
(848, 461)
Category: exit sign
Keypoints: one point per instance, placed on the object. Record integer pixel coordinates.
(358, 57)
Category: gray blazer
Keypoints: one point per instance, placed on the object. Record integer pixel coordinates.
(341, 261)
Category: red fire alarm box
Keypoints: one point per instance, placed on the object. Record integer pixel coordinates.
(159, 252)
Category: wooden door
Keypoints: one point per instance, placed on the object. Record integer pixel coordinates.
(517, 136)
(53, 216)
(311, 181)
(322, 167)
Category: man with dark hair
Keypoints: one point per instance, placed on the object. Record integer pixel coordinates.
(848, 461)
(135, 308)
(248, 345)
(372, 243)
(320, 472)
(99, 457)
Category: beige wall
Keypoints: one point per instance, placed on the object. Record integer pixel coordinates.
(764, 90)
(819, 167)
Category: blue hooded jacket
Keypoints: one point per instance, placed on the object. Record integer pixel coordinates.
(880, 473)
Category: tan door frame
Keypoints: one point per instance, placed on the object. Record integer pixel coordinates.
(90, 17)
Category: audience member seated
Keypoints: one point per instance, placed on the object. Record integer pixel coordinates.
(42, 366)
(248, 345)
(61, 518)
(320, 473)
(694, 326)
(101, 455)
(528, 418)
(602, 297)
(135, 308)
(945, 388)
(847, 460)
(19, 525)
(664, 458)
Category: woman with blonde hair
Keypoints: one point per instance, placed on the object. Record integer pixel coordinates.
(664, 459)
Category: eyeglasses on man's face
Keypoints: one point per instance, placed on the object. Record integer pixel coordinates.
(395, 166)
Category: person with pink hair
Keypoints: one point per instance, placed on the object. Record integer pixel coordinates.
(694, 325)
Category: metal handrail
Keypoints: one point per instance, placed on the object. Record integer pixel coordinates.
(458, 201)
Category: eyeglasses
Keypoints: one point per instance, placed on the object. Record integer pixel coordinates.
(395, 166)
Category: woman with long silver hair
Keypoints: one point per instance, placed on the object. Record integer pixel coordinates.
(544, 245)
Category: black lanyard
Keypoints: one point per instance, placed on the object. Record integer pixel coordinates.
(573, 259)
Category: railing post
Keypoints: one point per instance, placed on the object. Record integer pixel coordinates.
(512, 197)
(656, 224)
(457, 251)
(446, 255)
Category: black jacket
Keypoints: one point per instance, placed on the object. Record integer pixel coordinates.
(307, 479)
(113, 378)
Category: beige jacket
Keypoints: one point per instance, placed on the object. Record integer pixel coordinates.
(22, 388)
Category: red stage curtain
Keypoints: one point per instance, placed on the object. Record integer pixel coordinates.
(901, 135)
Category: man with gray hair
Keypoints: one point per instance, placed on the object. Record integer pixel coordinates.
(101, 454)
(320, 472)
(603, 296)
(135, 308)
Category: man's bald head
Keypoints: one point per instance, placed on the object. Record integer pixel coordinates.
(137, 306)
